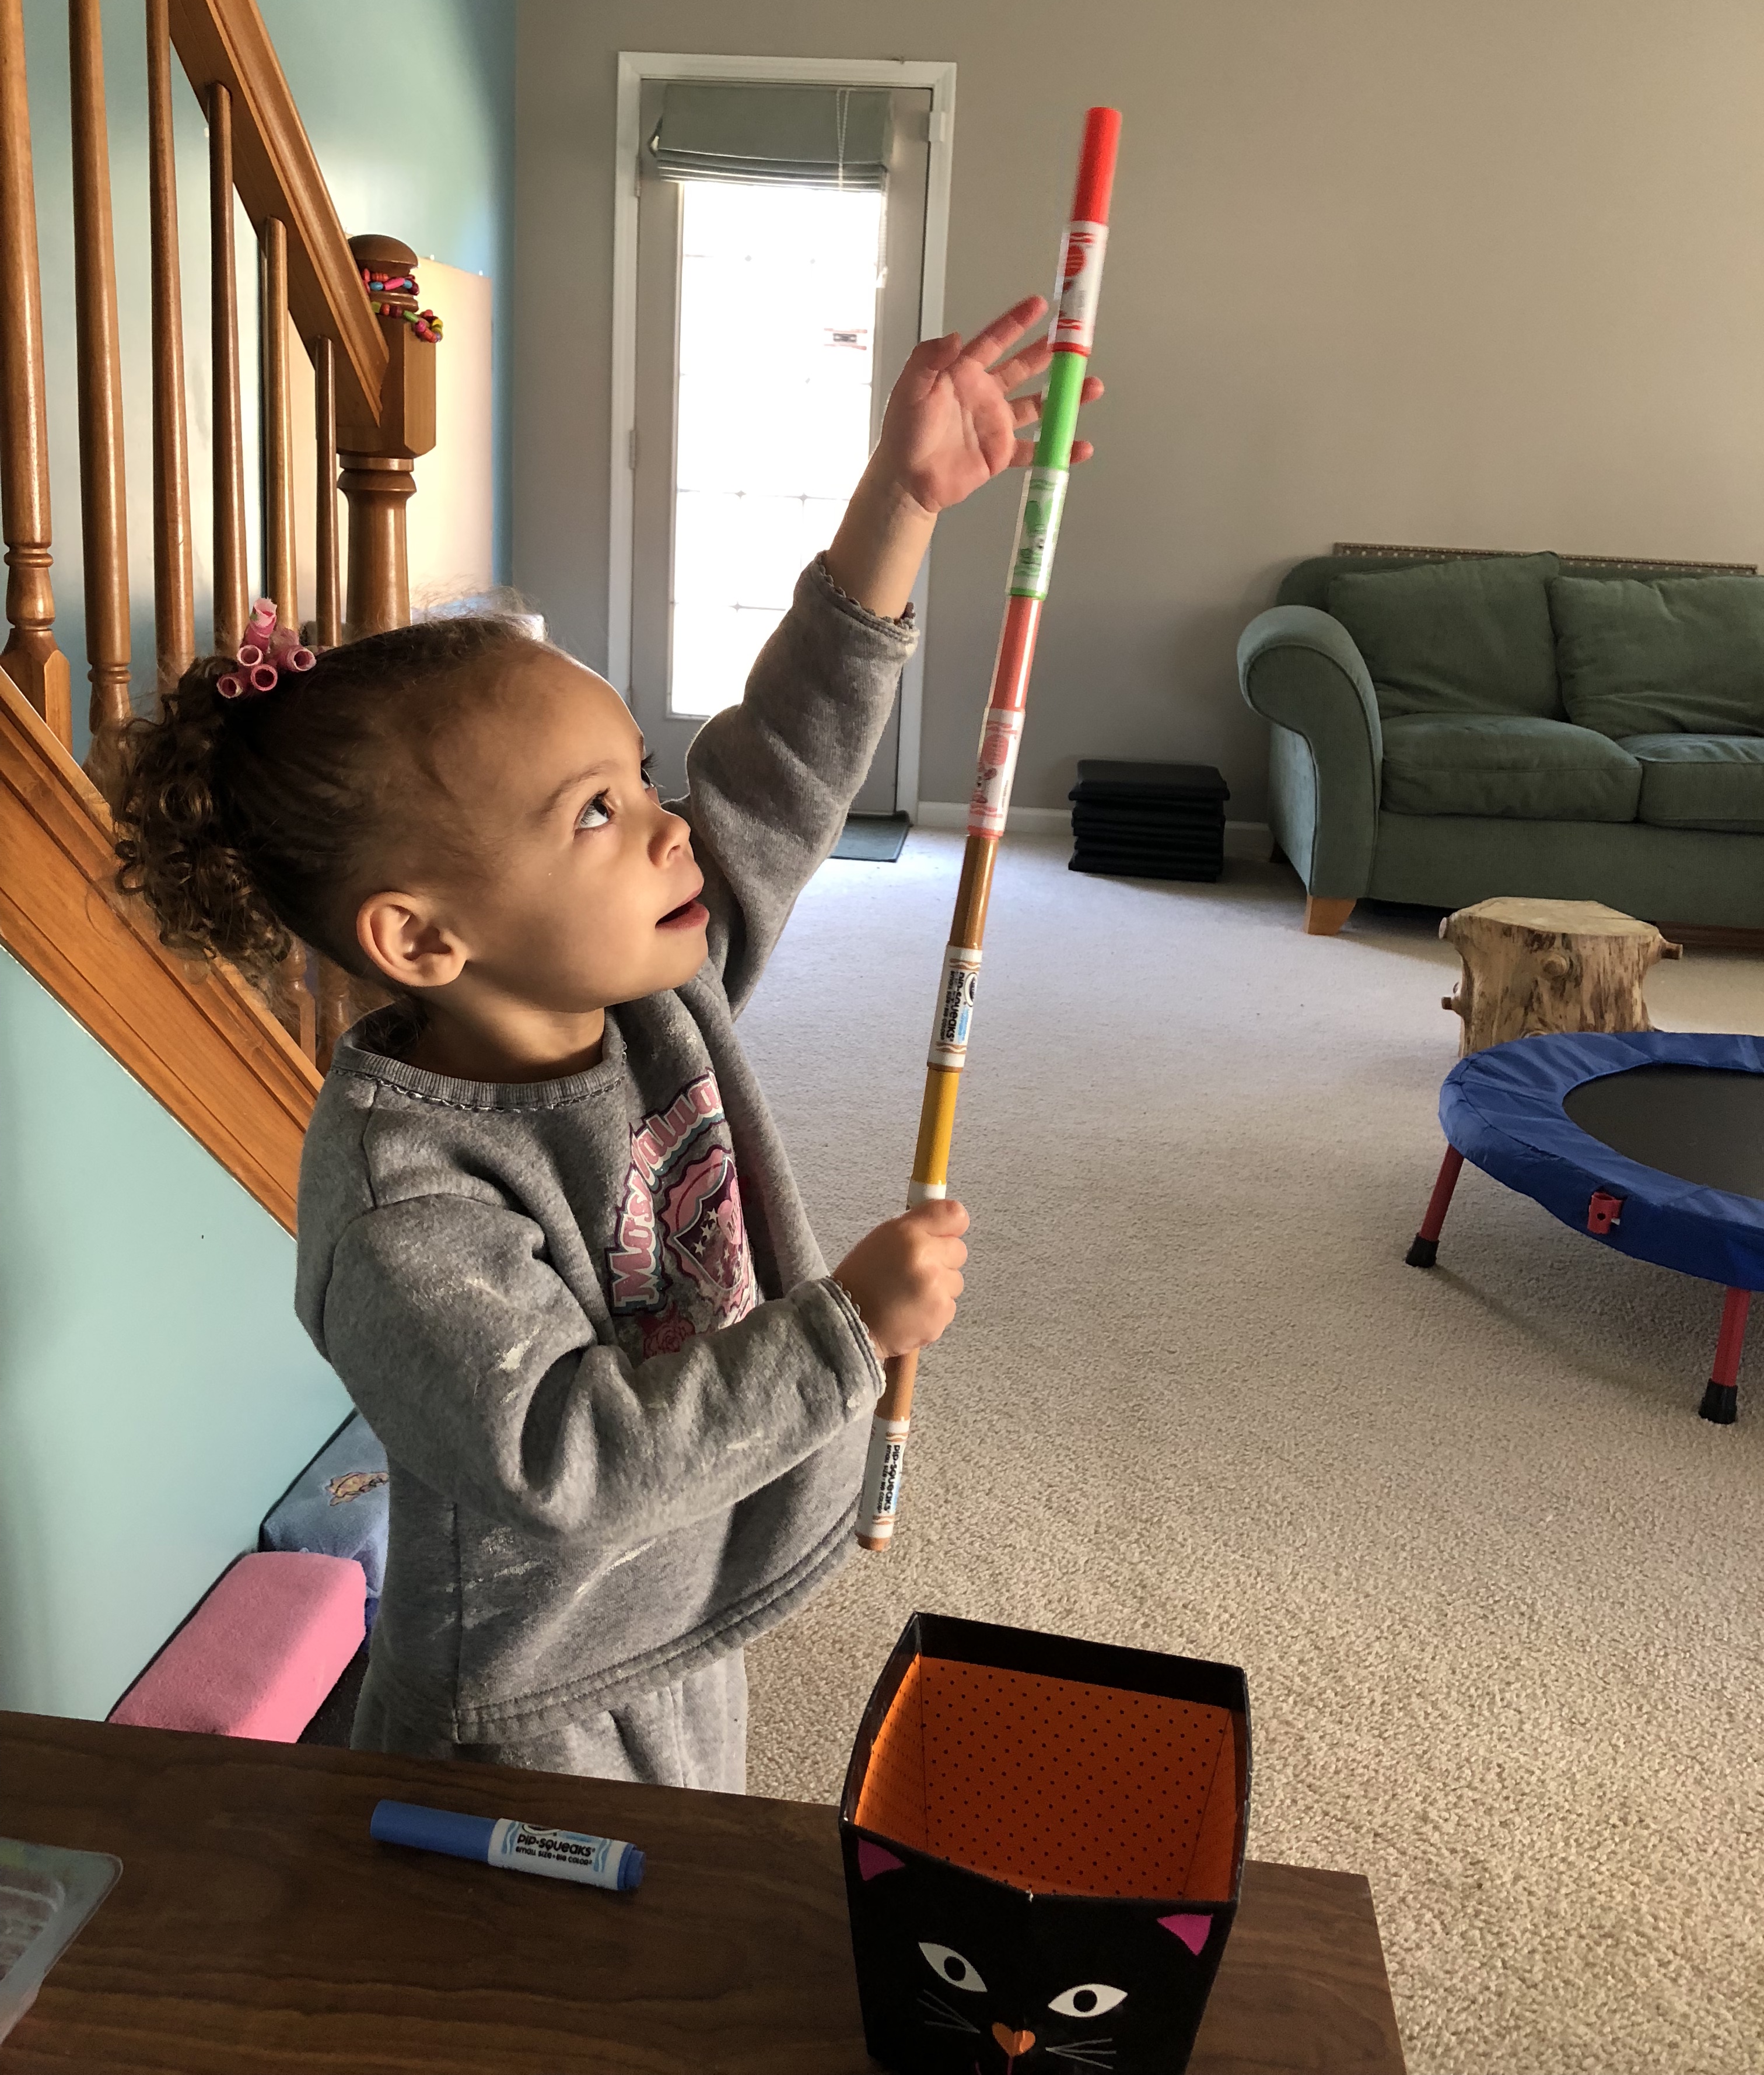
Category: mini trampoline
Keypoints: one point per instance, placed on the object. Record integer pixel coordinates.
(1651, 1141)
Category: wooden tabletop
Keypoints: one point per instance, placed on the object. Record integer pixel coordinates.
(258, 1930)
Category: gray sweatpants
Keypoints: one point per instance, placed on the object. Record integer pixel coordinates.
(692, 1734)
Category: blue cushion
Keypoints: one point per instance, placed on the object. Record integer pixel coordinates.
(337, 1505)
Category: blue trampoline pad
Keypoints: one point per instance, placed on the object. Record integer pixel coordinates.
(1670, 1123)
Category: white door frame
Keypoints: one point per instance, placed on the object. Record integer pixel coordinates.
(635, 67)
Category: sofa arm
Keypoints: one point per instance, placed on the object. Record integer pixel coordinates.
(1299, 669)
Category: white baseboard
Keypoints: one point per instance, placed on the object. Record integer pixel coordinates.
(1249, 839)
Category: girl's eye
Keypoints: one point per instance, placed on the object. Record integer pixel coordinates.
(1089, 2000)
(648, 774)
(595, 814)
(951, 1967)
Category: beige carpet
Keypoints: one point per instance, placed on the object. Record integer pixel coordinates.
(1496, 1586)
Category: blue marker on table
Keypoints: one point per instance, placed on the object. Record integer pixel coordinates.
(567, 1855)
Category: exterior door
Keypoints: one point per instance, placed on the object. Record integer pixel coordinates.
(771, 321)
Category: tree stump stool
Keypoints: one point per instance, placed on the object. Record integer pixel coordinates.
(1531, 967)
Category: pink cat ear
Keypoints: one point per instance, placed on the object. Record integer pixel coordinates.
(872, 1860)
(1193, 1930)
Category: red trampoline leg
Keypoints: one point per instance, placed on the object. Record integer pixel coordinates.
(1721, 1400)
(1424, 1249)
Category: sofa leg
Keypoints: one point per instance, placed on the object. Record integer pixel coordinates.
(1323, 916)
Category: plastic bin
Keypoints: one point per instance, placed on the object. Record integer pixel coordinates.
(46, 1895)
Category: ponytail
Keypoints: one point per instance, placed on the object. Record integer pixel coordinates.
(174, 845)
(247, 823)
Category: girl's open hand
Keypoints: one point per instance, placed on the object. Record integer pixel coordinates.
(951, 422)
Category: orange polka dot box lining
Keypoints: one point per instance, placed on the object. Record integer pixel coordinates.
(1043, 1842)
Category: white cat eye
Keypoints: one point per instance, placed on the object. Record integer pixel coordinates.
(1089, 2000)
(952, 1967)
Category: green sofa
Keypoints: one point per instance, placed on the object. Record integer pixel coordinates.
(1515, 725)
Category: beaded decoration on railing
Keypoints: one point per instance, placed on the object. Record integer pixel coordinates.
(424, 323)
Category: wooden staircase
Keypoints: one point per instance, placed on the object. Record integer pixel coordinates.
(238, 1069)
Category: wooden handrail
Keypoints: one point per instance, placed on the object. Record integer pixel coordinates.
(235, 1069)
(276, 174)
(198, 1039)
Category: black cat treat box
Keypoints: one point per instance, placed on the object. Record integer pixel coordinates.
(1043, 1842)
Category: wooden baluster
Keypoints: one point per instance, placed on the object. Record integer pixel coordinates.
(337, 1007)
(230, 603)
(31, 657)
(291, 995)
(378, 474)
(328, 630)
(102, 508)
(278, 418)
(174, 586)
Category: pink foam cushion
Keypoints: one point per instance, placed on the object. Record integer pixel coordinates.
(261, 1652)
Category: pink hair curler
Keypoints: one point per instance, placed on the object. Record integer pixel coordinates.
(267, 650)
(288, 652)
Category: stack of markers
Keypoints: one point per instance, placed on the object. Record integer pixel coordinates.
(1149, 821)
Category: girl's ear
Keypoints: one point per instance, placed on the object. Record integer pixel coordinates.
(401, 936)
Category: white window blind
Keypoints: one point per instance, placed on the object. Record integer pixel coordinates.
(774, 135)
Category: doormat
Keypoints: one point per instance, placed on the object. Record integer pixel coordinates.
(872, 839)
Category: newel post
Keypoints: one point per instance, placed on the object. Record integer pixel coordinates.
(378, 474)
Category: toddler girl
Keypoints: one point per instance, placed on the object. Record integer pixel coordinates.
(548, 1238)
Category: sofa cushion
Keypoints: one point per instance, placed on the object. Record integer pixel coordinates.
(1472, 636)
(1528, 769)
(1676, 653)
(1701, 781)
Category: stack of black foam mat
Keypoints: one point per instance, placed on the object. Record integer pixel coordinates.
(1149, 821)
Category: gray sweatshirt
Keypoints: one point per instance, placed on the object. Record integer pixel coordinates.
(624, 1407)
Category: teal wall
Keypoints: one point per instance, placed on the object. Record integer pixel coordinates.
(410, 107)
(156, 1393)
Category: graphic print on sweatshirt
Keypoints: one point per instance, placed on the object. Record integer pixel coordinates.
(680, 1263)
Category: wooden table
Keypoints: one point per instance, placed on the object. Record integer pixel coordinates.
(258, 1929)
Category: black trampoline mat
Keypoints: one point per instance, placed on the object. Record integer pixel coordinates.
(1705, 1125)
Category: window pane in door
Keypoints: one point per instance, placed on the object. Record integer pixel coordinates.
(777, 332)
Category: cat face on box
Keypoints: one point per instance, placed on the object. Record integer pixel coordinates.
(964, 1974)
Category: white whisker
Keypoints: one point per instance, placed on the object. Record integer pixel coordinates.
(948, 2018)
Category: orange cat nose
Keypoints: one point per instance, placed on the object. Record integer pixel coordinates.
(1014, 2043)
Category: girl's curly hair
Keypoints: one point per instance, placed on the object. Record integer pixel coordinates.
(247, 823)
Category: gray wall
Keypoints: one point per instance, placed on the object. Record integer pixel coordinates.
(1386, 270)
